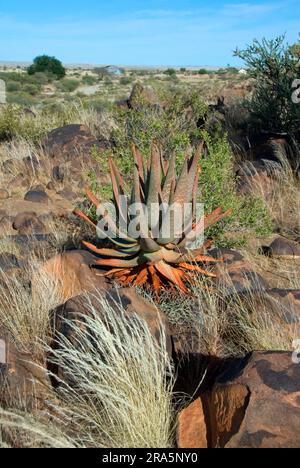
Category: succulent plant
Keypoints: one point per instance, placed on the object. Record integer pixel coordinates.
(151, 258)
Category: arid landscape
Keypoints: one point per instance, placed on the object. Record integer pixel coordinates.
(155, 341)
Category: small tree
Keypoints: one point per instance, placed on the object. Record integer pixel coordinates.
(49, 65)
(170, 72)
(274, 68)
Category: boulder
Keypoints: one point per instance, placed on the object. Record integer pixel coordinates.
(281, 307)
(68, 195)
(69, 142)
(235, 274)
(22, 378)
(37, 196)
(126, 300)
(284, 248)
(253, 404)
(28, 224)
(58, 173)
(142, 94)
(73, 273)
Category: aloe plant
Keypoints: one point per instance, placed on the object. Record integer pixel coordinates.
(151, 259)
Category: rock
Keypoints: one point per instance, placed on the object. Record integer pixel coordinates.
(192, 429)
(119, 299)
(9, 261)
(68, 195)
(284, 248)
(4, 195)
(28, 223)
(142, 94)
(236, 274)
(22, 378)
(58, 173)
(278, 307)
(38, 188)
(32, 164)
(37, 196)
(254, 404)
(73, 273)
(19, 182)
(69, 142)
(50, 186)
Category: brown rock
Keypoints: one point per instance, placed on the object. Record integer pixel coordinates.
(50, 186)
(142, 95)
(236, 274)
(69, 142)
(68, 195)
(125, 299)
(22, 378)
(72, 271)
(37, 196)
(254, 404)
(284, 248)
(28, 223)
(4, 195)
(192, 430)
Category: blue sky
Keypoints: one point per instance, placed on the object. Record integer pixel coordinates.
(132, 32)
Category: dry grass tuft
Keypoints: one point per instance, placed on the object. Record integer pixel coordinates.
(25, 316)
(120, 395)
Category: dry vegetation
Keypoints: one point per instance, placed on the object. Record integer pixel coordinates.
(126, 399)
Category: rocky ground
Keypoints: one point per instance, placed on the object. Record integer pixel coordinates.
(232, 347)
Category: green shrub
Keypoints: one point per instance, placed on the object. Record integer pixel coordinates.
(13, 87)
(69, 85)
(172, 126)
(218, 188)
(274, 68)
(42, 78)
(31, 89)
(89, 80)
(125, 80)
(47, 64)
(170, 72)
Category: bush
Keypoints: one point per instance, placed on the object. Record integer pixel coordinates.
(47, 64)
(170, 72)
(42, 78)
(69, 85)
(31, 89)
(125, 80)
(89, 80)
(274, 68)
(172, 127)
(218, 188)
(203, 71)
(13, 87)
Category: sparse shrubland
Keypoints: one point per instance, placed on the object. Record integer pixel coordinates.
(116, 379)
